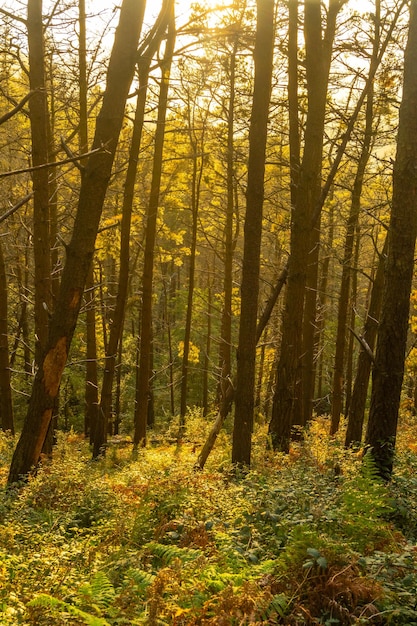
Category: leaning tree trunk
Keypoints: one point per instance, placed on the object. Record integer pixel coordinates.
(80, 250)
(388, 370)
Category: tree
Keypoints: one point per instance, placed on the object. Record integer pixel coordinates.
(287, 404)
(147, 51)
(80, 250)
(356, 412)
(39, 122)
(6, 401)
(143, 387)
(388, 369)
(353, 220)
(245, 385)
(197, 128)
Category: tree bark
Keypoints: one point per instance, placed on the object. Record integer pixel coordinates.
(198, 163)
(287, 406)
(6, 403)
(38, 115)
(357, 404)
(80, 250)
(91, 376)
(225, 347)
(116, 326)
(392, 335)
(245, 374)
(353, 220)
(143, 388)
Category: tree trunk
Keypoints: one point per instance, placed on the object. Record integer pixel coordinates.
(353, 220)
(6, 404)
(357, 405)
(245, 376)
(351, 341)
(287, 403)
(392, 335)
(143, 389)
(322, 304)
(91, 376)
(225, 347)
(228, 398)
(198, 168)
(116, 325)
(80, 250)
(38, 115)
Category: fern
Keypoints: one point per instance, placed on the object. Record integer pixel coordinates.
(49, 602)
(278, 606)
(169, 553)
(140, 578)
(99, 590)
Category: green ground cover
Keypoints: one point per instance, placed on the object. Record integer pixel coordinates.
(308, 538)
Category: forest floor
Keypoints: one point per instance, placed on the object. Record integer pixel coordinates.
(306, 538)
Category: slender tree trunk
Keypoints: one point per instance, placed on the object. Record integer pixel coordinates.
(225, 348)
(116, 325)
(352, 309)
(80, 250)
(6, 404)
(118, 394)
(392, 335)
(357, 404)
(143, 388)
(245, 385)
(38, 115)
(322, 305)
(355, 206)
(91, 376)
(227, 402)
(198, 168)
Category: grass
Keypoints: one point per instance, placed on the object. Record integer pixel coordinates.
(306, 538)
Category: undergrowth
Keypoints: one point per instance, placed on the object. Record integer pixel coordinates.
(307, 538)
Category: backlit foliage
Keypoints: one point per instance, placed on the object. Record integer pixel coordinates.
(309, 538)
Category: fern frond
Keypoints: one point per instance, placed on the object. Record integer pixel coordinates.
(43, 600)
(103, 593)
(278, 606)
(170, 552)
(140, 578)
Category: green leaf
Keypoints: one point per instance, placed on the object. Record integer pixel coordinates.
(313, 552)
(322, 562)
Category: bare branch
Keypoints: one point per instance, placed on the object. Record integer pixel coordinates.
(17, 206)
(12, 16)
(364, 344)
(18, 107)
(54, 164)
